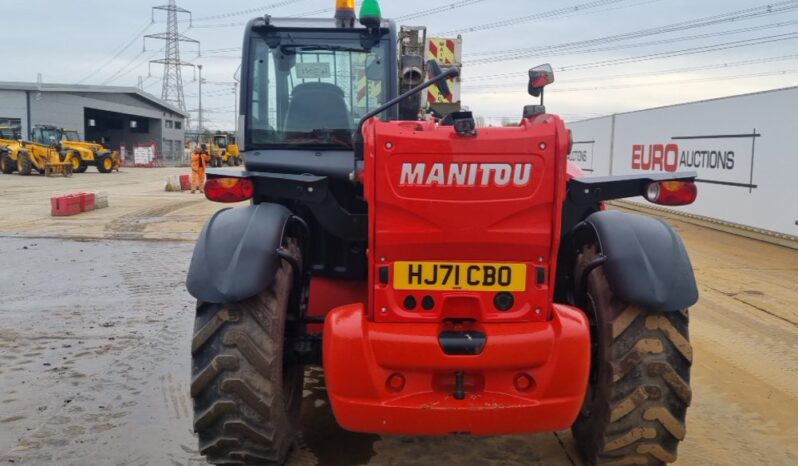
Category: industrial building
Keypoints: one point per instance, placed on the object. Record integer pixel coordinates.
(119, 117)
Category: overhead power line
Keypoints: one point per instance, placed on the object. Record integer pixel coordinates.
(249, 11)
(303, 14)
(667, 41)
(681, 81)
(439, 9)
(581, 8)
(651, 84)
(690, 69)
(116, 55)
(733, 16)
(668, 54)
(131, 65)
(688, 51)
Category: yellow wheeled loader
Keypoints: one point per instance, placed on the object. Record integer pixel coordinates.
(222, 149)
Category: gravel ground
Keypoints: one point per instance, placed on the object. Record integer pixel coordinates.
(95, 326)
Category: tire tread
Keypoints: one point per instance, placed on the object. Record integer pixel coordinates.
(240, 412)
(642, 382)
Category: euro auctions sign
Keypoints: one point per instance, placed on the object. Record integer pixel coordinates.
(726, 159)
(742, 149)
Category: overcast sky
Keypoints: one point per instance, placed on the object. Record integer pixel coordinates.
(84, 41)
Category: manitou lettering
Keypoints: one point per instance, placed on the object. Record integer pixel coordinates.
(466, 174)
(668, 157)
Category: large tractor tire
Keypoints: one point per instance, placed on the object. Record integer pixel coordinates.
(247, 390)
(24, 165)
(639, 390)
(7, 164)
(105, 164)
(78, 165)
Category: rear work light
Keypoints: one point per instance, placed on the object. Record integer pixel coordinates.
(672, 192)
(229, 189)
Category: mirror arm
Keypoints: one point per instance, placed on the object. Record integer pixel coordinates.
(357, 137)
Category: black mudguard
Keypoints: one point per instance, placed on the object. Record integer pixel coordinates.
(236, 257)
(646, 261)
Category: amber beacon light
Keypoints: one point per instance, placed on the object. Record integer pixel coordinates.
(345, 13)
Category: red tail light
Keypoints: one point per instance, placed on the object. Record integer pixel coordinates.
(229, 189)
(672, 192)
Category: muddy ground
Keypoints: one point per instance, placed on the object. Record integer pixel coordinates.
(95, 328)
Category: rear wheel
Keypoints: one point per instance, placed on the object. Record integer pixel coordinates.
(105, 164)
(247, 389)
(639, 391)
(24, 165)
(7, 164)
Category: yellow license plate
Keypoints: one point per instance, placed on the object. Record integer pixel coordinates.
(459, 276)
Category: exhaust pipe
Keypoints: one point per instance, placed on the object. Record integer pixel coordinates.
(412, 70)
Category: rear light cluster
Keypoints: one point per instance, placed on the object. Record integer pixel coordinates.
(229, 189)
(672, 192)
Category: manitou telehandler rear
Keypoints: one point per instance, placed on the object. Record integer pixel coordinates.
(448, 278)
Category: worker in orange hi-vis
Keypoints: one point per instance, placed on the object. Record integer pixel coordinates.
(199, 160)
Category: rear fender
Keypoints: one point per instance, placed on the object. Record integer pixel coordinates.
(236, 256)
(645, 261)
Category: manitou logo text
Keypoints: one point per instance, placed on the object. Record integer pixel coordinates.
(465, 174)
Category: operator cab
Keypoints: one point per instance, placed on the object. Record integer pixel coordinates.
(45, 135)
(70, 135)
(306, 85)
(220, 141)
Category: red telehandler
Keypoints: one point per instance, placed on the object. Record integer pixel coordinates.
(448, 278)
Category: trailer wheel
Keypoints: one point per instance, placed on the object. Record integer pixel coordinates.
(24, 165)
(639, 389)
(247, 389)
(105, 164)
(7, 164)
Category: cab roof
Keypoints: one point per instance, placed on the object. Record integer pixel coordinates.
(308, 23)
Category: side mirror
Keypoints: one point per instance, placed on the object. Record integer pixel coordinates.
(540, 77)
(435, 71)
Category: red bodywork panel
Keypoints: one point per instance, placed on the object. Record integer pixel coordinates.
(436, 196)
(360, 356)
(481, 218)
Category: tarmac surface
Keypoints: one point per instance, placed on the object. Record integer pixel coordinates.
(95, 327)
